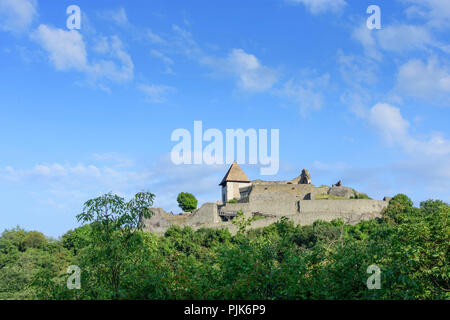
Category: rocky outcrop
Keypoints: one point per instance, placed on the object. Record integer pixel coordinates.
(342, 191)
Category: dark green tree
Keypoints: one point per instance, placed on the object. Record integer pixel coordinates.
(187, 201)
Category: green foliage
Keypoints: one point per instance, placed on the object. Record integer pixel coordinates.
(187, 202)
(325, 260)
(241, 222)
(34, 239)
(77, 239)
(400, 209)
(402, 199)
(360, 195)
(23, 255)
(232, 201)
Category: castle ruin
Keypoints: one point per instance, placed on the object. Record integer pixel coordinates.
(297, 199)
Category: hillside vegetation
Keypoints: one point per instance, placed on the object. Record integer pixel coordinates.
(323, 261)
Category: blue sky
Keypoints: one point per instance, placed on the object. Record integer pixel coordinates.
(89, 111)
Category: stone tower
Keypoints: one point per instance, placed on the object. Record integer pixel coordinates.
(234, 179)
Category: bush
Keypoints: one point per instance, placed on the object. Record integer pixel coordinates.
(187, 202)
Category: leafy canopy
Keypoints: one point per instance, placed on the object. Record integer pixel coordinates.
(187, 201)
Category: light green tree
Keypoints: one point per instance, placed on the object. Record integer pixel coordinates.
(187, 201)
(116, 244)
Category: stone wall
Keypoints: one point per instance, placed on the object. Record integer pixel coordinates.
(351, 211)
(278, 208)
(284, 192)
(207, 213)
(161, 220)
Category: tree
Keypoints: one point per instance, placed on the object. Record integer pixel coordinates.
(187, 202)
(116, 244)
(400, 209)
(77, 239)
(34, 239)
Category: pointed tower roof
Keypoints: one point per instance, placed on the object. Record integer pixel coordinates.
(235, 174)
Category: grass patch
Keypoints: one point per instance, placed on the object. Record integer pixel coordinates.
(360, 195)
(325, 196)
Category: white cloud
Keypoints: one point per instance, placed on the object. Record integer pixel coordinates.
(250, 73)
(389, 123)
(66, 48)
(436, 12)
(158, 54)
(356, 70)
(367, 40)
(399, 39)
(307, 93)
(154, 38)
(101, 45)
(185, 43)
(17, 15)
(67, 51)
(360, 73)
(321, 6)
(119, 16)
(429, 80)
(168, 62)
(111, 70)
(156, 93)
(394, 129)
